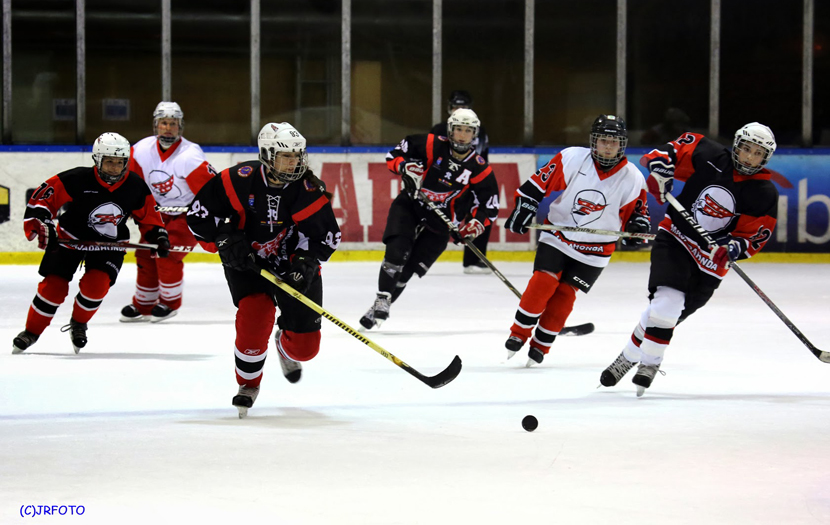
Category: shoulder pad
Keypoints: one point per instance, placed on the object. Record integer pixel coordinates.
(480, 160)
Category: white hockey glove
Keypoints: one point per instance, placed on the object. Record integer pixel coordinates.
(661, 178)
(412, 174)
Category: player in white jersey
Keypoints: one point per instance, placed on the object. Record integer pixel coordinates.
(175, 170)
(600, 190)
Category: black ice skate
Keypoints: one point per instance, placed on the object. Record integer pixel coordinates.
(77, 332)
(292, 370)
(130, 314)
(616, 370)
(644, 376)
(162, 312)
(535, 357)
(244, 399)
(24, 340)
(379, 312)
(513, 345)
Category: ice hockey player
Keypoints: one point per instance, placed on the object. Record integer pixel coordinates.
(730, 195)
(440, 169)
(271, 213)
(175, 170)
(599, 189)
(96, 202)
(460, 99)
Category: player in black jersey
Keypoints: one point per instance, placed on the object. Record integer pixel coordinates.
(442, 169)
(269, 213)
(460, 99)
(96, 202)
(731, 196)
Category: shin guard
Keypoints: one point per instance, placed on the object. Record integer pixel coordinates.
(51, 292)
(254, 324)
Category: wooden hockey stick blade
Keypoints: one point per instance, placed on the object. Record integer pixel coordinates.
(576, 330)
(104, 245)
(554, 227)
(437, 381)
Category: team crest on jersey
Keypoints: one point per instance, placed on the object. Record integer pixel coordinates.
(714, 208)
(244, 171)
(435, 196)
(105, 219)
(480, 160)
(588, 207)
(270, 248)
(162, 183)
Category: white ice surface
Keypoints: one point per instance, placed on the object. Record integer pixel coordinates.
(139, 428)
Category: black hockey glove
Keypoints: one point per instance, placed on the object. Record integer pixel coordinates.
(522, 215)
(235, 250)
(412, 174)
(302, 273)
(159, 236)
(637, 224)
(729, 250)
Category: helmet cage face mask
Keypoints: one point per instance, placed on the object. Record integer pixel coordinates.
(753, 133)
(277, 138)
(462, 117)
(608, 127)
(168, 110)
(111, 145)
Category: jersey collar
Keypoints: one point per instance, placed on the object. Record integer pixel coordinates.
(166, 154)
(605, 174)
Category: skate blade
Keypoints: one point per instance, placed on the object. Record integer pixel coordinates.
(530, 363)
(243, 412)
(173, 313)
(511, 353)
(141, 319)
(640, 391)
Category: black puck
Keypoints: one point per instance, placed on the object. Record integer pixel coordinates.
(530, 423)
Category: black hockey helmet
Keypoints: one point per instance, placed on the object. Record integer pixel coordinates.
(459, 98)
(608, 126)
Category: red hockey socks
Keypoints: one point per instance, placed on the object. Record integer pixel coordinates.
(254, 324)
(51, 292)
(147, 283)
(553, 319)
(300, 347)
(94, 286)
(539, 290)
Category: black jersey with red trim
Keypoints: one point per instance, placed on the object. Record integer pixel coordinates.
(89, 209)
(278, 222)
(721, 200)
(447, 179)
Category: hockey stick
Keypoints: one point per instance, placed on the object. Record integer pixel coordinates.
(117, 246)
(468, 243)
(554, 227)
(582, 329)
(436, 381)
(820, 354)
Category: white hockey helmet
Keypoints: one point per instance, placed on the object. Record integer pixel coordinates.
(462, 117)
(282, 137)
(111, 145)
(753, 133)
(168, 110)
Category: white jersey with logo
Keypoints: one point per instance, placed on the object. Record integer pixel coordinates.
(174, 176)
(590, 198)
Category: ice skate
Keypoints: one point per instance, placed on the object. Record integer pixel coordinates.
(477, 269)
(24, 340)
(292, 370)
(513, 345)
(534, 357)
(616, 370)
(162, 312)
(244, 399)
(644, 376)
(130, 314)
(368, 320)
(379, 312)
(77, 332)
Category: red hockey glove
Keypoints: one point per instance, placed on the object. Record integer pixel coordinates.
(728, 250)
(661, 178)
(471, 229)
(47, 237)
